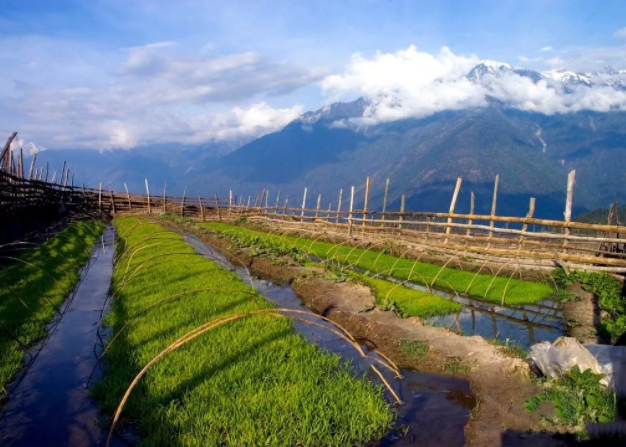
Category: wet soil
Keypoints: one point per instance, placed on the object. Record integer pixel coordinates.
(51, 405)
(582, 315)
(500, 383)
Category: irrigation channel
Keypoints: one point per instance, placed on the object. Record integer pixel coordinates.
(435, 407)
(523, 325)
(51, 404)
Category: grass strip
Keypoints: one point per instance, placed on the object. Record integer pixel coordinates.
(253, 382)
(33, 288)
(409, 302)
(483, 286)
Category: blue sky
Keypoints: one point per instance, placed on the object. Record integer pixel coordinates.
(104, 74)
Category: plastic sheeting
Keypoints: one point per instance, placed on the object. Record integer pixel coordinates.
(556, 359)
(612, 360)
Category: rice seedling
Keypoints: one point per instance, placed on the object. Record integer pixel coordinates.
(253, 381)
(409, 302)
(497, 289)
(34, 285)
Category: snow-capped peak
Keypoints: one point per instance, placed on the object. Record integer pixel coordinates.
(567, 76)
(495, 65)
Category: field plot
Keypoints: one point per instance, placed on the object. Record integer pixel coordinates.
(253, 381)
(34, 285)
(495, 289)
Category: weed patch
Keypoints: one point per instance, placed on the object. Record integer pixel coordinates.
(578, 398)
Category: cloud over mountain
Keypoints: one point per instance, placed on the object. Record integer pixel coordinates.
(413, 83)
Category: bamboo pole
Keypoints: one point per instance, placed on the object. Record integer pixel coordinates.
(201, 207)
(217, 205)
(6, 155)
(303, 203)
(350, 218)
(130, 205)
(182, 203)
(148, 193)
(230, 202)
(339, 205)
(47, 169)
(20, 164)
(455, 196)
(286, 203)
(470, 221)
(248, 204)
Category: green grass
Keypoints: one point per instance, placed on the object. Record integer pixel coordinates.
(252, 382)
(484, 286)
(510, 348)
(414, 349)
(34, 288)
(455, 367)
(409, 302)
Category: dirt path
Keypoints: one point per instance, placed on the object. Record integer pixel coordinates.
(51, 405)
(500, 383)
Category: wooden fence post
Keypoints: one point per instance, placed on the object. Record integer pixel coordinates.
(217, 205)
(571, 180)
(401, 217)
(339, 205)
(494, 201)
(277, 202)
(201, 207)
(455, 196)
(303, 204)
(130, 205)
(182, 203)
(531, 211)
(350, 212)
(319, 203)
(385, 200)
(367, 200)
(32, 165)
(470, 221)
(230, 202)
(99, 197)
(148, 193)
(164, 197)
(112, 199)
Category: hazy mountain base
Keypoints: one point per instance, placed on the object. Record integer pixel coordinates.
(325, 151)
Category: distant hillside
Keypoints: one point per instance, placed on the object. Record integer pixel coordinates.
(600, 215)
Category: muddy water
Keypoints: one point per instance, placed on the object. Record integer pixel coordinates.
(51, 405)
(436, 407)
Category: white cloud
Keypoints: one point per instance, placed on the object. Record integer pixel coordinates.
(414, 84)
(548, 48)
(147, 94)
(408, 83)
(620, 34)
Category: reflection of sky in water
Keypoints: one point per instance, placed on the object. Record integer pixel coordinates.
(489, 325)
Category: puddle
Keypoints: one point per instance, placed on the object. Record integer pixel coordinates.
(51, 405)
(436, 408)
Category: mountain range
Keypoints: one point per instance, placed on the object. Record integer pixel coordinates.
(331, 149)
